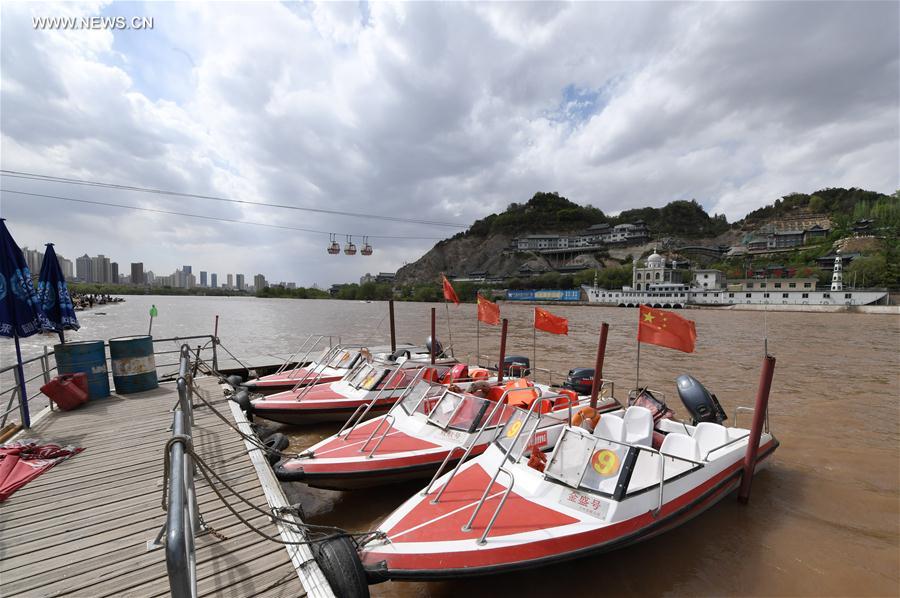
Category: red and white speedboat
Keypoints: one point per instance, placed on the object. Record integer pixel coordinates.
(330, 366)
(432, 427)
(370, 384)
(581, 493)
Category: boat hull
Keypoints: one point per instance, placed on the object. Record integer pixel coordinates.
(507, 556)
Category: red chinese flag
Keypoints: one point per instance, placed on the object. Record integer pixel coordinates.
(544, 320)
(488, 312)
(449, 293)
(663, 328)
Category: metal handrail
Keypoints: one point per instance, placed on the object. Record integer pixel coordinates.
(319, 370)
(183, 521)
(468, 525)
(47, 370)
(298, 350)
(305, 358)
(371, 404)
(383, 435)
(512, 482)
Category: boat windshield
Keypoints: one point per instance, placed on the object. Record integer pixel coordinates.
(366, 377)
(467, 413)
(345, 359)
(422, 397)
(540, 430)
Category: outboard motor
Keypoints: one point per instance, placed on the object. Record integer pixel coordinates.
(516, 365)
(438, 347)
(700, 403)
(581, 380)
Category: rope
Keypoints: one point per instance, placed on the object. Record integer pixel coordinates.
(328, 532)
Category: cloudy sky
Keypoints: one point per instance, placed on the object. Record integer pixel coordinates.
(441, 112)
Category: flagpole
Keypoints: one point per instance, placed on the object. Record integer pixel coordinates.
(534, 349)
(477, 339)
(449, 332)
(637, 373)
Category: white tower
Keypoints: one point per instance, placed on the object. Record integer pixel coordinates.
(837, 277)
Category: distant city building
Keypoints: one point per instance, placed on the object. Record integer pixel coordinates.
(137, 273)
(291, 285)
(213, 280)
(102, 269)
(186, 269)
(385, 277)
(66, 266)
(149, 277)
(114, 272)
(259, 282)
(239, 281)
(366, 278)
(230, 283)
(33, 258)
(124, 279)
(84, 268)
(202, 278)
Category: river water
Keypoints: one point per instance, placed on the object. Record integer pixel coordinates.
(824, 519)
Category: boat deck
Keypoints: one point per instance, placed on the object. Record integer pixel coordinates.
(82, 528)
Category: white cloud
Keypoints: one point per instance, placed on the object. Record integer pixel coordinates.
(438, 111)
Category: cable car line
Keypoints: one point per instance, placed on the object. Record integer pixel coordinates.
(73, 181)
(214, 218)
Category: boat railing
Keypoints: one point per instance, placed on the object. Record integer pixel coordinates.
(42, 368)
(471, 444)
(740, 409)
(183, 522)
(518, 434)
(512, 482)
(312, 341)
(314, 375)
(389, 418)
(363, 410)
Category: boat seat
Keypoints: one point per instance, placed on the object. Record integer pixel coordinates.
(680, 445)
(638, 426)
(610, 427)
(710, 436)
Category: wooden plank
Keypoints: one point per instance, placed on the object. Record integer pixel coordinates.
(100, 566)
(93, 542)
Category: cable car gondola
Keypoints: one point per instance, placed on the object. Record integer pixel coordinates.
(334, 248)
(367, 249)
(349, 247)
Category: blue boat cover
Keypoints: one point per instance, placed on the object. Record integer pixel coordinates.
(54, 293)
(20, 308)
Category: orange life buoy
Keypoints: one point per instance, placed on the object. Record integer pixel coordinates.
(586, 413)
(566, 397)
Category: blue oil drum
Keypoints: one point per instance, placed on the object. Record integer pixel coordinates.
(88, 357)
(133, 364)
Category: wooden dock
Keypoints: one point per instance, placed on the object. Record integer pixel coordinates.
(82, 528)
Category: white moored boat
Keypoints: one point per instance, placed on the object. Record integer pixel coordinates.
(430, 428)
(637, 475)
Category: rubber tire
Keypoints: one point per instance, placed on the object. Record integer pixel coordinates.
(234, 380)
(276, 442)
(342, 568)
(242, 398)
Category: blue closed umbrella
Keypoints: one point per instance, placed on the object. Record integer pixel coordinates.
(20, 308)
(54, 295)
